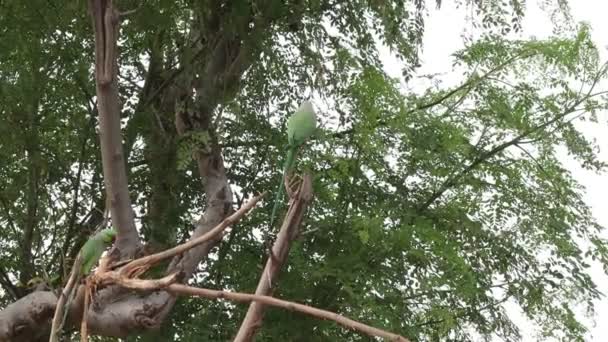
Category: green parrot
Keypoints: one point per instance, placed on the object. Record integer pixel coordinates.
(92, 249)
(88, 257)
(300, 127)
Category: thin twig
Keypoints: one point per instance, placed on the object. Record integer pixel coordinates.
(59, 317)
(84, 332)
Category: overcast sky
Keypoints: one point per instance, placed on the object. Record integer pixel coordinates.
(443, 36)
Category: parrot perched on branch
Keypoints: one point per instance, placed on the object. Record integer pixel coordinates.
(92, 249)
(300, 127)
(88, 257)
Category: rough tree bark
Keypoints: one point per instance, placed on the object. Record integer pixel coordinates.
(289, 230)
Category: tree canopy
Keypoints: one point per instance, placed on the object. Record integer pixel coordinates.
(432, 208)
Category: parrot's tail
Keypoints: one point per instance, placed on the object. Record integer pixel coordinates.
(277, 200)
(281, 190)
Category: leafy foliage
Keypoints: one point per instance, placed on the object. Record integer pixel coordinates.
(432, 209)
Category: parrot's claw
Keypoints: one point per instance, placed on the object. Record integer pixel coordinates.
(269, 242)
(291, 183)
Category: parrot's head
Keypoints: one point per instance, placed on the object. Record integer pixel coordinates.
(108, 235)
(307, 107)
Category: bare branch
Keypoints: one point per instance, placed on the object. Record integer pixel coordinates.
(140, 265)
(64, 297)
(19, 324)
(105, 24)
(84, 332)
(179, 289)
(280, 250)
(168, 283)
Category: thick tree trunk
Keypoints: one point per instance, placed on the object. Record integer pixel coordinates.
(105, 24)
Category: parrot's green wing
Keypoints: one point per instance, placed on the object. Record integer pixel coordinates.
(92, 249)
(300, 127)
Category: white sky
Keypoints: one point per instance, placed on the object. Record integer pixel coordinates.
(443, 36)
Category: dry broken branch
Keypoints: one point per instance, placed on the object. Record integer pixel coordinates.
(84, 333)
(289, 229)
(138, 266)
(66, 293)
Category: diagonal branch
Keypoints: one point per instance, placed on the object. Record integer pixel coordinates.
(123, 277)
(280, 250)
(9, 217)
(76, 187)
(142, 264)
(169, 283)
(180, 289)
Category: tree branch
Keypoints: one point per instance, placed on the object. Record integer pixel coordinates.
(467, 85)
(9, 217)
(179, 289)
(123, 276)
(142, 264)
(280, 250)
(76, 188)
(105, 23)
(27, 319)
